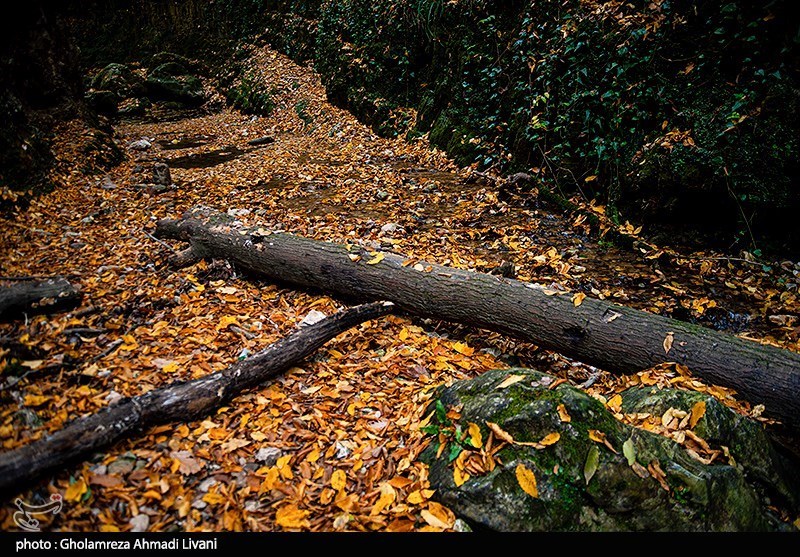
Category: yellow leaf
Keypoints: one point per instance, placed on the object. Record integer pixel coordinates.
(387, 498)
(35, 400)
(403, 334)
(271, 479)
(600, 437)
(698, 411)
(591, 178)
(75, 491)
(339, 480)
(459, 477)
(615, 403)
(438, 516)
(550, 439)
(353, 257)
(289, 516)
(527, 480)
(563, 414)
(313, 456)
(170, 367)
(462, 348)
(475, 435)
(578, 298)
(375, 260)
(226, 321)
(213, 498)
(510, 380)
(108, 528)
(500, 432)
(668, 342)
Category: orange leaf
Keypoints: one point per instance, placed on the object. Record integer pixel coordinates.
(550, 439)
(510, 380)
(387, 498)
(339, 480)
(578, 298)
(527, 480)
(698, 411)
(563, 414)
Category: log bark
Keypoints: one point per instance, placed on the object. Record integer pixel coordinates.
(597, 332)
(177, 402)
(46, 296)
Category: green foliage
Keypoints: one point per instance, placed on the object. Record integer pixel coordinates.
(251, 97)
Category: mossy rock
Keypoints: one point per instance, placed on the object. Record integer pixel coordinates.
(617, 497)
(172, 82)
(193, 66)
(119, 79)
(104, 102)
(745, 439)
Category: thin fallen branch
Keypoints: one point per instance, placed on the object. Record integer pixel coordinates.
(177, 402)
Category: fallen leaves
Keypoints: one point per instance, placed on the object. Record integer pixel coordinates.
(526, 480)
(345, 426)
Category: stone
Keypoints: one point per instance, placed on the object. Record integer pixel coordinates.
(582, 484)
(161, 175)
(381, 195)
(268, 455)
(173, 82)
(139, 523)
(139, 145)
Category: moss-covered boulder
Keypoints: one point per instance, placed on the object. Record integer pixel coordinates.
(568, 465)
(171, 81)
(119, 79)
(745, 439)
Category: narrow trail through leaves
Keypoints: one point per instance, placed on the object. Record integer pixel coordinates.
(331, 445)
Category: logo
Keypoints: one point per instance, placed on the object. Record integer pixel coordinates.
(23, 517)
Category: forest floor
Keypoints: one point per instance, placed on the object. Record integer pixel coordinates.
(330, 445)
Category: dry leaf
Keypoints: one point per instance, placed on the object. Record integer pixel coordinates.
(527, 480)
(550, 439)
(289, 516)
(591, 464)
(75, 491)
(186, 463)
(386, 498)
(698, 411)
(578, 298)
(339, 480)
(668, 342)
(510, 380)
(475, 435)
(375, 260)
(563, 414)
(500, 433)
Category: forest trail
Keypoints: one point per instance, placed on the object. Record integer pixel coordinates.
(331, 445)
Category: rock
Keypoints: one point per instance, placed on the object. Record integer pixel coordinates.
(161, 174)
(663, 488)
(134, 107)
(173, 82)
(266, 140)
(207, 484)
(108, 184)
(161, 58)
(720, 426)
(381, 195)
(140, 523)
(390, 228)
(119, 79)
(139, 145)
(268, 455)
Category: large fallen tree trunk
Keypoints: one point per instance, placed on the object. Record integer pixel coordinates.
(45, 296)
(596, 332)
(177, 402)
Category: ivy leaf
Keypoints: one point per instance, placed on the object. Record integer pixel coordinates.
(629, 450)
(455, 450)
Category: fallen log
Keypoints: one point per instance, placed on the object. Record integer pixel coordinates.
(177, 402)
(597, 332)
(34, 297)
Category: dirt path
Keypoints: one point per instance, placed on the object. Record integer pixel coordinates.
(331, 446)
